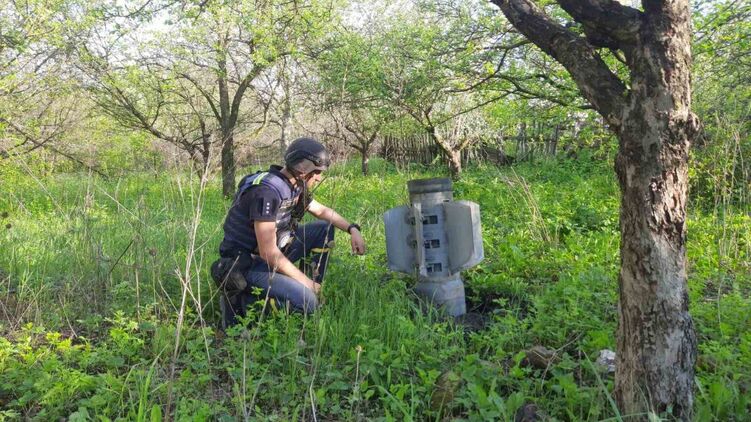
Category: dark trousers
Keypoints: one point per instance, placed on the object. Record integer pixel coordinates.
(311, 244)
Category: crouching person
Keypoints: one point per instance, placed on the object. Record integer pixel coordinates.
(262, 239)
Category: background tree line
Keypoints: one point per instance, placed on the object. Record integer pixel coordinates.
(192, 77)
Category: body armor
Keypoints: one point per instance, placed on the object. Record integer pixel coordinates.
(239, 233)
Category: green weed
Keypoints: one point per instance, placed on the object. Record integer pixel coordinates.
(107, 311)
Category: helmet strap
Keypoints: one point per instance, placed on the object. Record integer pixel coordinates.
(302, 179)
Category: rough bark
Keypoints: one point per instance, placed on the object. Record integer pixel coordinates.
(653, 121)
(227, 115)
(603, 89)
(656, 338)
(227, 127)
(228, 166)
(453, 153)
(206, 150)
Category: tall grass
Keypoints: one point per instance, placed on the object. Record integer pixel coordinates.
(105, 296)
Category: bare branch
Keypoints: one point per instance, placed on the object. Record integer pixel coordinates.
(599, 85)
(205, 94)
(237, 99)
(46, 145)
(470, 109)
(497, 70)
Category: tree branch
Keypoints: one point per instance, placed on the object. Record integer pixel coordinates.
(237, 99)
(44, 144)
(470, 109)
(605, 20)
(599, 85)
(205, 94)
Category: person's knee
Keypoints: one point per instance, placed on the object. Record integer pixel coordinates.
(286, 290)
(309, 302)
(320, 236)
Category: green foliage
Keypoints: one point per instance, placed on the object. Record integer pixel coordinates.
(39, 99)
(720, 173)
(109, 257)
(92, 271)
(417, 69)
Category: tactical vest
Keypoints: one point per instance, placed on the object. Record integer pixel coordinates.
(239, 232)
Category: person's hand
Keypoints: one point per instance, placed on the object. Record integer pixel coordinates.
(316, 289)
(312, 285)
(358, 243)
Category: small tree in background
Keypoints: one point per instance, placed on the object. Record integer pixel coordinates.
(345, 90)
(220, 51)
(429, 70)
(39, 98)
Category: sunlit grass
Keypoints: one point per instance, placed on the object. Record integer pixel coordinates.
(93, 272)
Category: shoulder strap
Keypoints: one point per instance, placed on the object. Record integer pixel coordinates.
(256, 179)
(245, 184)
(245, 180)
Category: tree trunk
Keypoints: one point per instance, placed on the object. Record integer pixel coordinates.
(228, 165)
(453, 155)
(553, 142)
(206, 157)
(521, 142)
(364, 164)
(656, 338)
(205, 148)
(226, 123)
(651, 115)
(197, 162)
(286, 119)
(455, 163)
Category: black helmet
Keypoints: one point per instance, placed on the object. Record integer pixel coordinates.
(305, 155)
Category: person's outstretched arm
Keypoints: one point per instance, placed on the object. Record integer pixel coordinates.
(325, 213)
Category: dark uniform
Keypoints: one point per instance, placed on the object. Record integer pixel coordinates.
(269, 196)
